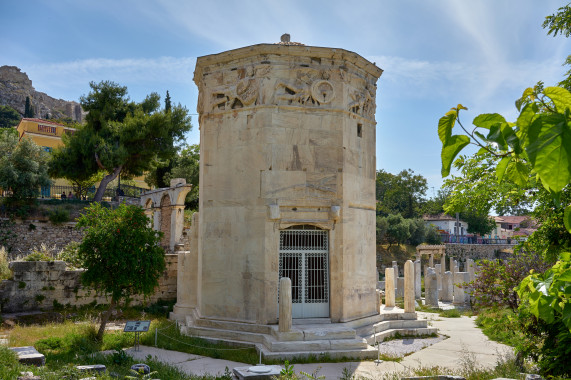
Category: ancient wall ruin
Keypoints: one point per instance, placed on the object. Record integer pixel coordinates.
(45, 284)
(30, 234)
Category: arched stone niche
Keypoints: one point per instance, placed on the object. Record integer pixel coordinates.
(165, 209)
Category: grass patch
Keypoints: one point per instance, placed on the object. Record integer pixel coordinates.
(500, 325)
(170, 338)
(450, 313)
(68, 344)
(397, 336)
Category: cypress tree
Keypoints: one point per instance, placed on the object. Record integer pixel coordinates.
(28, 108)
(168, 104)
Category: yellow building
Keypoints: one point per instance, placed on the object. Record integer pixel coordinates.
(47, 134)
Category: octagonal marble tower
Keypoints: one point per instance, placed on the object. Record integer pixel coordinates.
(287, 186)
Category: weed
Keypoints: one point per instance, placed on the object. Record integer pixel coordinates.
(44, 253)
(70, 255)
(120, 357)
(21, 285)
(39, 298)
(314, 375)
(5, 272)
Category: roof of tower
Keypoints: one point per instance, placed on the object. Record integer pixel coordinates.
(286, 48)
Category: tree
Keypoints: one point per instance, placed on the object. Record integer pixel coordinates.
(29, 108)
(120, 253)
(119, 137)
(23, 167)
(168, 105)
(539, 142)
(400, 194)
(560, 23)
(186, 164)
(435, 206)
(393, 229)
(480, 224)
(9, 117)
(476, 189)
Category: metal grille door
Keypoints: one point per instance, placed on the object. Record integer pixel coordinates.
(304, 259)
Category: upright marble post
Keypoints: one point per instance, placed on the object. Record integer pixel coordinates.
(431, 260)
(442, 264)
(447, 287)
(389, 287)
(396, 274)
(452, 266)
(285, 305)
(417, 279)
(459, 289)
(430, 288)
(399, 292)
(470, 269)
(408, 287)
(438, 276)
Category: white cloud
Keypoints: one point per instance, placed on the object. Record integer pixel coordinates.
(69, 80)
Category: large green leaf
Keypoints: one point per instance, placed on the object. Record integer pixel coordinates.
(501, 168)
(549, 150)
(565, 276)
(567, 218)
(518, 173)
(566, 315)
(487, 120)
(497, 136)
(445, 125)
(525, 119)
(450, 150)
(560, 97)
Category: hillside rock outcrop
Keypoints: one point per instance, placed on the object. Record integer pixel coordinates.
(15, 86)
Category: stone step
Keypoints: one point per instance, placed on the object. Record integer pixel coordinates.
(392, 324)
(233, 326)
(402, 332)
(240, 336)
(274, 345)
(314, 332)
(368, 353)
(310, 321)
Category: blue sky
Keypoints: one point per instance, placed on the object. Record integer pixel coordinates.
(434, 53)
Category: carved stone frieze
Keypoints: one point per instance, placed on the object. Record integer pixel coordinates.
(363, 102)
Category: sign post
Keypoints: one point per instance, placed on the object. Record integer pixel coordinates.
(137, 327)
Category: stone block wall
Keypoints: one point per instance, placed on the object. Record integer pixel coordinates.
(30, 234)
(42, 285)
(461, 252)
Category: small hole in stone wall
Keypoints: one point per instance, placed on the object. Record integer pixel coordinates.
(360, 130)
(304, 65)
(290, 92)
(294, 209)
(234, 69)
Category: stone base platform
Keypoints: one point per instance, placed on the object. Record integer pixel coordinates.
(353, 339)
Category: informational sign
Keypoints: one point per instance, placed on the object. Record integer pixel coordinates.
(137, 326)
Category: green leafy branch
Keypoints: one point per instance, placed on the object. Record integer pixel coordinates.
(535, 147)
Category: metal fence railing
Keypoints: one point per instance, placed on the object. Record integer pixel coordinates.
(71, 192)
(446, 238)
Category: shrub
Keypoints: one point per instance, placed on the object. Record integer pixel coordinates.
(546, 297)
(69, 254)
(5, 272)
(44, 253)
(497, 279)
(59, 216)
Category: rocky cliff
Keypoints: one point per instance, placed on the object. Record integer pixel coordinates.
(15, 86)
